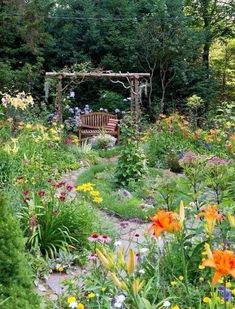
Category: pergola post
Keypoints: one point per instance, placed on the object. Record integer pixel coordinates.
(132, 85)
(59, 97)
(137, 98)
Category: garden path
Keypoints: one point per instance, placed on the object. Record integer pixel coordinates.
(129, 232)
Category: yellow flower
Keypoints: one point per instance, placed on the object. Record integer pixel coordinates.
(201, 279)
(137, 285)
(117, 282)
(59, 268)
(206, 300)
(201, 267)
(181, 278)
(80, 306)
(130, 265)
(71, 299)
(103, 289)
(86, 187)
(231, 220)
(173, 283)
(175, 307)
(91, 295)
(228, 285)
(98, 200)
(95, 193)
(28, 126)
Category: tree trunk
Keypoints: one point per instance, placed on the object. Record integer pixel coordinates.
(206, 55)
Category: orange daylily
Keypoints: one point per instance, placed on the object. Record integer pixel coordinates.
(223, 261)
(165, 221)
(211, 215)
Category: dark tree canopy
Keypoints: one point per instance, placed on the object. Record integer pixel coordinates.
(172, 40)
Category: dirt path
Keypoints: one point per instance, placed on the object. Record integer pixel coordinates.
(129, 232)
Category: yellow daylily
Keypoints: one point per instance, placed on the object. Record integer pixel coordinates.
(182, 212)
(120, 284)
(120, 257)
(137, 285)
(231, 220)
(130, 265)
(106, 259)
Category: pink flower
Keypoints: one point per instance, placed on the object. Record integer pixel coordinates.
(92, 257)
(60, 184)
(33, 222)
(94, 237)
(104, 239)
(217, 161)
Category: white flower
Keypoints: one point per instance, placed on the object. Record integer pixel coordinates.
(118, 305)
(117, 243)
(142, 271)
(144, 250)
(166, 304)
(120, 298)
(73, 304)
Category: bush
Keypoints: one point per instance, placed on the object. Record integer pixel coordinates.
(131, 164)
(15, 281)
(53, 220)
(103, 141)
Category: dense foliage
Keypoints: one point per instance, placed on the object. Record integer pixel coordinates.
(16, 288)
(172, 40)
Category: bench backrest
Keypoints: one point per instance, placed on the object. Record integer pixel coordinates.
(96, 119)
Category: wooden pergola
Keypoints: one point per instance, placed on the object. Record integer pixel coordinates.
(133, 83)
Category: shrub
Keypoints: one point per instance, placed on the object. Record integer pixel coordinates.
(53, 220)
(103, 141)
(15, 281)
(131, 164)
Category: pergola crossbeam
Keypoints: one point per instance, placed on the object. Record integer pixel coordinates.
(97, 74)
(133, 80)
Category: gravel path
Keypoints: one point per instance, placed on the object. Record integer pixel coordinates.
(129, 232)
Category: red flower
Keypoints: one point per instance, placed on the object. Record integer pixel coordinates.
(69, 188)
(26, 200)
(41, 193)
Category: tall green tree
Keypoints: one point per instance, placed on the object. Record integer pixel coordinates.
(166, 48)
(16, 289)
(215, 18)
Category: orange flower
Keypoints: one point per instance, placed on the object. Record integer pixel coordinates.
(223, 261)
(165, 221)
(211, 215)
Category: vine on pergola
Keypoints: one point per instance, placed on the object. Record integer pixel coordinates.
(133, 81)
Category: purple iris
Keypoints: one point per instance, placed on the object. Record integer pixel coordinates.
(225, 293)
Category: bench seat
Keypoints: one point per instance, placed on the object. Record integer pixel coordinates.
(94, 123)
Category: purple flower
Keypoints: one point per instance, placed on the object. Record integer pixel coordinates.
(225, 293)
(188, 157)
(217, 161)
(124, 224)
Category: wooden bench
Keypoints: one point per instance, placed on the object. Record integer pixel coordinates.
(94, 123)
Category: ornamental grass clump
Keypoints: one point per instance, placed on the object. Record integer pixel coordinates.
(16, 289)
